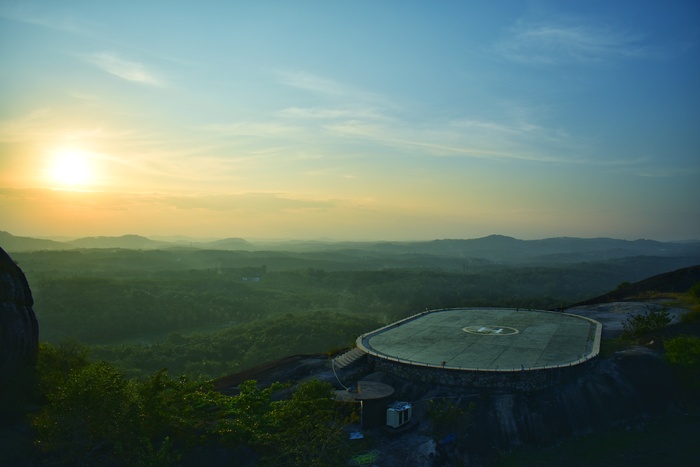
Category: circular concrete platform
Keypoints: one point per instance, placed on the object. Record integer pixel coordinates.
(486, 339)
(365, 391)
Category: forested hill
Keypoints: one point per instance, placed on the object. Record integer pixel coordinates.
(13, 244)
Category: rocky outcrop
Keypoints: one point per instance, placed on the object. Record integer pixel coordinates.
(626, 390)
(19, 329)
(678, 281)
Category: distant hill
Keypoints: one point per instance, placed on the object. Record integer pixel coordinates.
(493, 248)
(507, 249)
(678, 281)
(228, 244)
(132, 242)
(13, 244)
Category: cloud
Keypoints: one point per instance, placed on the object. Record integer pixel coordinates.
(664, 172)
(261, 129)
(327, 88)
(372, 120)
(568, 42)
(26, 13)
(268, 202)
(511, 138)
(215, 202)
(26, 127)
(125, 69)
(330, 113)
(515, 131)
(515, 137)
(48, 125)
(312, 82)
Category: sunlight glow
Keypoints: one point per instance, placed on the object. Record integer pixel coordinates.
(71, 168)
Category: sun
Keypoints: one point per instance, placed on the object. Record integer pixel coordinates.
(71, 168)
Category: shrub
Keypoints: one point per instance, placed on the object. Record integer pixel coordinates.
(695, 290)
(683, 352)
(693, 299)
(644, 323)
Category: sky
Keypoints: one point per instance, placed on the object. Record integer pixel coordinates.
(350, 120)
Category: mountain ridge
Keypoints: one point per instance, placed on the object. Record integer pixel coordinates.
(498, 248)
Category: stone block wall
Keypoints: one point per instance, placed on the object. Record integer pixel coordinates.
(524, 380)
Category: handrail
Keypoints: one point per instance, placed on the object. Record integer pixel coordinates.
(336, 375)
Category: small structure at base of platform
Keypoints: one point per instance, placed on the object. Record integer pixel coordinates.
(398, 414)
(373, 398)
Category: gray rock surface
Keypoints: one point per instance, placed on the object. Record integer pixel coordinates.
(19, 329)
(614, 314)
(630, 387)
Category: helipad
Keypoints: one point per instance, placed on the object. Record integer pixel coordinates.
(486, 339)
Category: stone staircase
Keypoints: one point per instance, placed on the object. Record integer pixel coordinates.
(347, 358)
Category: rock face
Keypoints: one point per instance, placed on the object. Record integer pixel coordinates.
(625, 390)
(19, 329)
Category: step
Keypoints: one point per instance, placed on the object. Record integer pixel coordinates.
(347, 358)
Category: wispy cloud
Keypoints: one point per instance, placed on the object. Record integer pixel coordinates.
(47, 124)
(663, 172)
(514, 131)
(24, 12)
(371, 119)
(265, 129)
(327, 88)
(250, 201)
(125, 69)
(26, 127)
(312, 82)
(316, 113)
(552, 42)
(515, 139)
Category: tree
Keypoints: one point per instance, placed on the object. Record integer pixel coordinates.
(92, 417)
(55, 363)
(306, 430)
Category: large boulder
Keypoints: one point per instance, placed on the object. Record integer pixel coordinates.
(19, 329)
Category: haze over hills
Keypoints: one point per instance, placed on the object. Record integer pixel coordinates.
(496, 248)
(130, 242)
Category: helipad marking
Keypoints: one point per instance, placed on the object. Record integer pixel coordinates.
(490, 330)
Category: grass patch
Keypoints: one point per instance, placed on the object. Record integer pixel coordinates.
(609, 346)
(690, 301)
